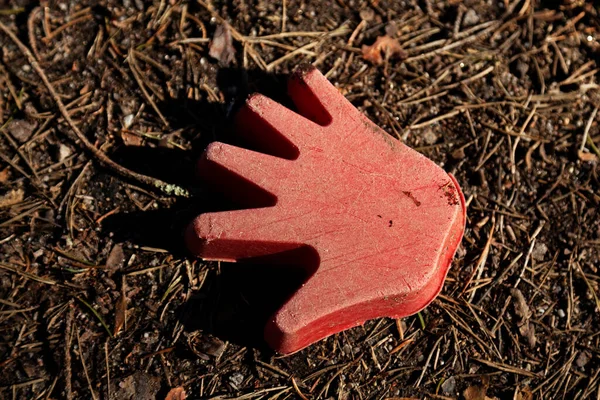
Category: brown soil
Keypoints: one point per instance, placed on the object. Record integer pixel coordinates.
(98, 298)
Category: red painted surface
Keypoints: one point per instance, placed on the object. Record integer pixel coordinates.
(380, 222)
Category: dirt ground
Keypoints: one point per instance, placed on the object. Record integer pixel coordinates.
(104, 106)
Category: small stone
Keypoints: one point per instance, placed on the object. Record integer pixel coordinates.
(582, 359)
(522, 68)
(236, 379)
(430, 137)
(449, 386)
(391, 29)
(21, 129)
(539, 251)
(347, 349)
(64, 152)
(458, 154)
(127, 121)
(470, 18)
(38, 253)
(367, 14)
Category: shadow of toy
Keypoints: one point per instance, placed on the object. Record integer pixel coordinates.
(236, 299)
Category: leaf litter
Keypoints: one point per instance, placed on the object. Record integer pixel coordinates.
(384, 48)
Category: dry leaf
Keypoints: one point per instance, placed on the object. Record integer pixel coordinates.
(176, 394)
(11, 198)
(521, 308)
(588, 157)
(384, 48)
(4, 175)
(120, 314)
(526, 329)
(221, 46)
(476, 393)
(204, 345)
(21, 129)
(130, 139)
(524, 394)
(116, 259)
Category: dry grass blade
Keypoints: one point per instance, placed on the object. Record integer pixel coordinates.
(507, 368)
(484, 32)
(136, 74)
(589, 286)
(433, 349)
(27, 275)
(435, 119)
(18, 150)
(297, 389)
(85, 369)
(97, 314)
(586, 138)
(340, 31)
(477, 271)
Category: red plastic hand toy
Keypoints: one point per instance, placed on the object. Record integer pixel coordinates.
(382, 221)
